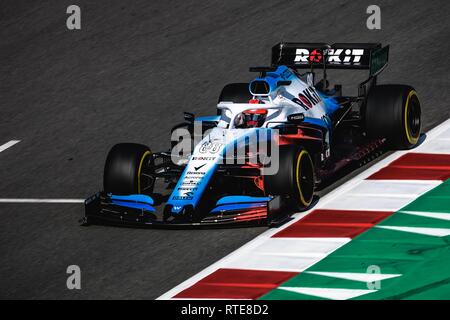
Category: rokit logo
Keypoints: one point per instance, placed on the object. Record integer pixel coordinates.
(315, 56)
(308, 98)
(333, 56)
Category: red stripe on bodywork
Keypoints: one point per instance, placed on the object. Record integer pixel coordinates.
(236, 284)
(322, 223)
(416, 166)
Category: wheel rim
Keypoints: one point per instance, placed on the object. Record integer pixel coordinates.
(412, 118)
(305, 178)
(146, 178)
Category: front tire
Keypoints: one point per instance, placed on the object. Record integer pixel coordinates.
(294, 180)
(129, 170)
(393, 112)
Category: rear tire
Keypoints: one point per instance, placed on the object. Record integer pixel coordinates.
(393, 112)
(294, 179)
(129, 170)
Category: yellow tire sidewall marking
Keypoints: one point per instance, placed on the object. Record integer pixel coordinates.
(411, 140)
(298, 175)
(147, 153)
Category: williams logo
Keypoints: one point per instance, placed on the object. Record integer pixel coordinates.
(189, 194)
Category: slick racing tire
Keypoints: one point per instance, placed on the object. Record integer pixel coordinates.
(393, 112)
(129, 169)
(294, 180)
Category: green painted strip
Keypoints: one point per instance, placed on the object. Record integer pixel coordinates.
(402, 219)
(422, 260)
(436, 200)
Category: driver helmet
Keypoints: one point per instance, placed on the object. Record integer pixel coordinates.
(253, 118)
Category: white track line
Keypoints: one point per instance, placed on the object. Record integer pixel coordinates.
(9, 144)
(12, 200)
(329, 293)
(350, 184)
(17, 200)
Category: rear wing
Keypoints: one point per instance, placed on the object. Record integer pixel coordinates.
(366, 56)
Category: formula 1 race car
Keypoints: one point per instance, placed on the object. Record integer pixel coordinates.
(272, 142)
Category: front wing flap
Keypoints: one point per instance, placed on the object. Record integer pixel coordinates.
(100, 209)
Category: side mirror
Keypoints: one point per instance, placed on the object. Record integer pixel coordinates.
(296, 118)
(189, 117)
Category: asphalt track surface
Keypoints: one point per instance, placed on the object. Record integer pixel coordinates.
(127, 75)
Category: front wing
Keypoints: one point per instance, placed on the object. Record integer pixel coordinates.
(102, 209)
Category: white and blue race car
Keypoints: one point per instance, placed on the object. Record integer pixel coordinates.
(272, 143)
